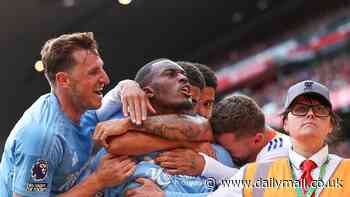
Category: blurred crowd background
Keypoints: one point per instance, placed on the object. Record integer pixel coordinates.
(319, 50)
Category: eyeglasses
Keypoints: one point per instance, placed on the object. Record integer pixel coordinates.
(302, 109)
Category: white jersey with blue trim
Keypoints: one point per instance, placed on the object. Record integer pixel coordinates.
(45, 153)
(276, 148)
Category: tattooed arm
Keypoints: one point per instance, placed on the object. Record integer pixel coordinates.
(178, 127)
(173, 127)
(138, 143)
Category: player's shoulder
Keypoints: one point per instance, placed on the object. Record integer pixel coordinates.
(36, 129)
(279, 141)
(45, 110)
(277, 147)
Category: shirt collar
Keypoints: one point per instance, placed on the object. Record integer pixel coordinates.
(319, 158)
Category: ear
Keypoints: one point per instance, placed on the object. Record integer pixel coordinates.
(62, 79)
(331, 126)
(258, 138)
(148, 91)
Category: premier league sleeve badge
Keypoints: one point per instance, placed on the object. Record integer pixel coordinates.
(40, 170)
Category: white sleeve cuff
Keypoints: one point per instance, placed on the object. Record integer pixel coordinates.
(215, 169)
(111, 104)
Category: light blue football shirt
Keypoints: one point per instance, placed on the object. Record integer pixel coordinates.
(46, 152)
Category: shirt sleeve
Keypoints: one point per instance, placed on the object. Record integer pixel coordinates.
(111, 108)
(179, 194)
(111, 104)
(229, 188)
(232, 187)
(35, 162)
(216, 170)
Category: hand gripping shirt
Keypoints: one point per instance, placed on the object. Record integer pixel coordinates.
(45, 153)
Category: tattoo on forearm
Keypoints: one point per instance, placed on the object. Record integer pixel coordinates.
(173, 127)
(172, 133)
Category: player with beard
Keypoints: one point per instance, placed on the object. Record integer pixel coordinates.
(239, 126)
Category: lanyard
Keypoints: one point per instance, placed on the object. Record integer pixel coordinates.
(310, 189)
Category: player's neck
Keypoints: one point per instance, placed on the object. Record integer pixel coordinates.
(170, 110)
(72, 110)
(270, 134)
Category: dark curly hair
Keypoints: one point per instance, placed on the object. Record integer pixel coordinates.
(209, 75)
(238, 114)
(194, 75)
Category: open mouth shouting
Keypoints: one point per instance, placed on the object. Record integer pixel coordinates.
(99, 90)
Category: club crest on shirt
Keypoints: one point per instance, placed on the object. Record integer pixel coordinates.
(40, 170)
